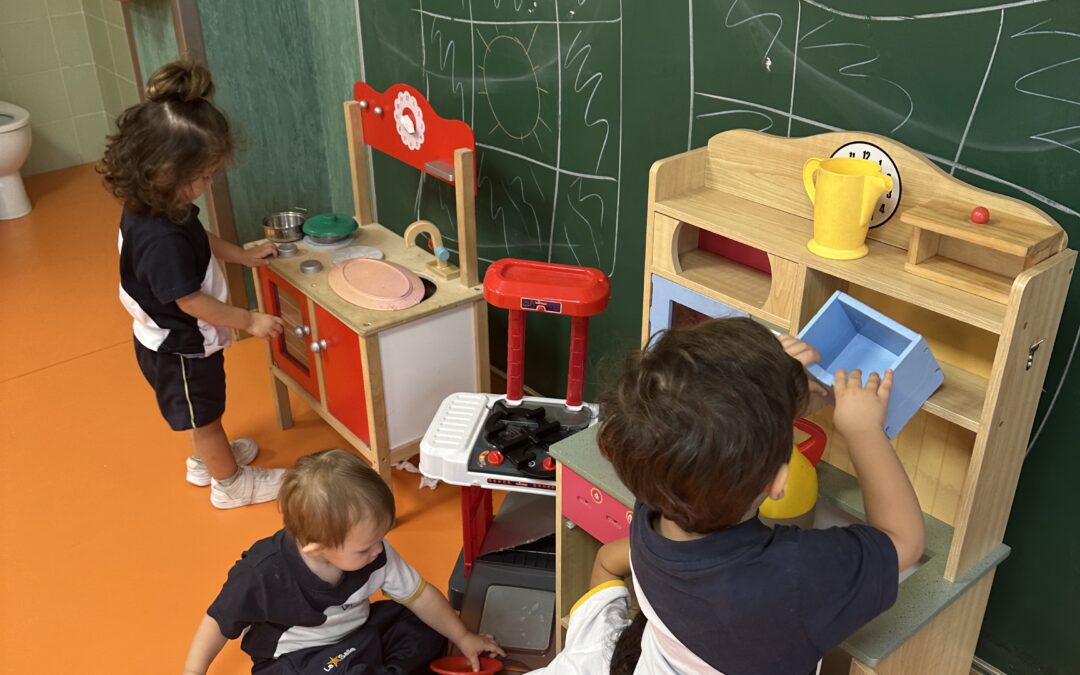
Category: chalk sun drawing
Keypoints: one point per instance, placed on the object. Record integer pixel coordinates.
(510, 83)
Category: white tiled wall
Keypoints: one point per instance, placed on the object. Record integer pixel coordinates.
(67, 62)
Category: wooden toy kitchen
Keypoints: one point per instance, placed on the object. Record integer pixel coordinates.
(728, 232)
(379, 331)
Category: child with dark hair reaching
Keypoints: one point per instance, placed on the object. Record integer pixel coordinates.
(699, 428)
(160, 160)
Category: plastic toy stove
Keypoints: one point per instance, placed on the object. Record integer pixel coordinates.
(481, 440)
(504, 581)
(501, 442)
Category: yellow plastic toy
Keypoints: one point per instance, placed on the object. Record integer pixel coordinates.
(800, 493)
(844, 192)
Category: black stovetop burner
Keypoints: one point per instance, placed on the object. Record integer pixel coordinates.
(516, 438)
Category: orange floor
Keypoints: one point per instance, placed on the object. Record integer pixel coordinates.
(109, 558)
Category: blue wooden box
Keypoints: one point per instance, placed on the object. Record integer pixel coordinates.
(849, 334)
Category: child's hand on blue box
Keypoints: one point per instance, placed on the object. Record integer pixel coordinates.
(861, 409)
(804, 354)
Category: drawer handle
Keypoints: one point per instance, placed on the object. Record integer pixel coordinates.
(319, 346)
(302, 331)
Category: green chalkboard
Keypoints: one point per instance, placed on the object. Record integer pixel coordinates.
(572, 100)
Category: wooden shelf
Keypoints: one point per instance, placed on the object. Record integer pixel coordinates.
(983, 283)
(959, 399)
(1008, 233)
(705, 283)
(729, 278)
(984, 297)
(785, 235)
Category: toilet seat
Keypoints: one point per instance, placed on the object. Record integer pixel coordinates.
(12, 117)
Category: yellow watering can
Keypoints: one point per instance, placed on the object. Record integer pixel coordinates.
(796, 507)
(844, 192)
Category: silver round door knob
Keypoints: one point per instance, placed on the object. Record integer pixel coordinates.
(319, 346)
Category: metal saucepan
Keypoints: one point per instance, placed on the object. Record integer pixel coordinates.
(285, 226)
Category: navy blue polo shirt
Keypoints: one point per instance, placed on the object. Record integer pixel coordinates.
(750, 600)
(162, 261)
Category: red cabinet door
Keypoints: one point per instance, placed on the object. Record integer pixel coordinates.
(343, 373)
(290, 351)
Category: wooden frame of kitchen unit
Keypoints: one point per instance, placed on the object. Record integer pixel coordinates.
(465, 200)
(746, 186)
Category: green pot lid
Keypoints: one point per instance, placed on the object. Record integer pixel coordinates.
(330, 225)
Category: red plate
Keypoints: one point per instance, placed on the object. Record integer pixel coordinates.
(450, 665)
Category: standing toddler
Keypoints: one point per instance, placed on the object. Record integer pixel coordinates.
(161, 159)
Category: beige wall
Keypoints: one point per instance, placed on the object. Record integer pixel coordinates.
(67, 62)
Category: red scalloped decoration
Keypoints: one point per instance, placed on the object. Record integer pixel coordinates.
(436, 141)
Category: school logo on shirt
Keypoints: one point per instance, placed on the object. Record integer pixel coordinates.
(333, 661)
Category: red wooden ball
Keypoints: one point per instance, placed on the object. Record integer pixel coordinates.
(980, 215)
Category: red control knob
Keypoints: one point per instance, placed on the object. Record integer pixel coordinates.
(980, 215)
(549, 464)
(495, 458)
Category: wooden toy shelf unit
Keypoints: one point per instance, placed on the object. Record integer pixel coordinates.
(728, 225)
(376, 375)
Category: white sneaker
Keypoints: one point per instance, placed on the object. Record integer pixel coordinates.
(253, 485)
(244, 450)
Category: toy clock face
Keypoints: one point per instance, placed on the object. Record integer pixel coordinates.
(409, 120)
(889, 201)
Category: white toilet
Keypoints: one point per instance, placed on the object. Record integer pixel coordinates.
(14, 148)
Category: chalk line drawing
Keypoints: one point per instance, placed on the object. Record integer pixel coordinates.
(795, 63)
(742, 111)
(927, 15)
(756, 17)
(1029, 32)
(558, 133)
(978, 96)
(1046, 137)
(849, 71)
(594, 82)
(537, 162)
(446, 55)
(511, 64)
(556, 22)
(690, 124)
